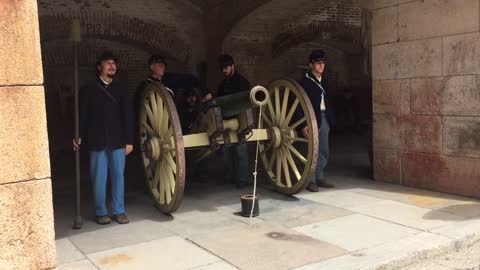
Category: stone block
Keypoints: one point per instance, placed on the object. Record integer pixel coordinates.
(391, 97)
(386, 131)
(27, 235)
(23, 134)
(461, 136)
(422, 133)
(385, 25)
(426, 95)
(460, 54)
(387, 166)
(20, 54)
(412, 59)
(435, 18)
(461, 96)
(449, 174)
(456, 95)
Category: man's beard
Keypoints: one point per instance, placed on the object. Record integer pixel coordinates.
(110, 75)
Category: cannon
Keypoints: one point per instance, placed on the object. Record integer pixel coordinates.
(288, 158)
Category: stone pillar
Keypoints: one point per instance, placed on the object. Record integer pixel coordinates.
(26, 215)
(426, 97)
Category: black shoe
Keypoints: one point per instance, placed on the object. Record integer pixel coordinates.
(103, 220)
(121, 218)
(323, 184)
(312, 187)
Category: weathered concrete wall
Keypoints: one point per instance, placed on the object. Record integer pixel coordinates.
(26, 215)
(426, 94)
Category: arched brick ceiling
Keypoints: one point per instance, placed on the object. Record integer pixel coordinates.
(279, 16)
(172, 26)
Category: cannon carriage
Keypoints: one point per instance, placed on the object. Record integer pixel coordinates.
(288, 158)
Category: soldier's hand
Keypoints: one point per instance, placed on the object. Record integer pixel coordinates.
(128, 149)
(76, 144)
(305, 132)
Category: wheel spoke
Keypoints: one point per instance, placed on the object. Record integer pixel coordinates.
(271, 110)
(300, 121)
(285, 169)
(293, 165)
(270, 163)
(165, 122)
(171, 162)
(148, 129)
(296, 139)
(171, 179)
(159, 104)
(279, 168)
(168, 174)
(268, 121)
(284, 106)
(154, 106)
(151, 117)
(296, 153)
(290, 113)
(277, 106)
(169, 133)
(162, 184)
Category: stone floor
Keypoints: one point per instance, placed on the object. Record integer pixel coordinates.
(360, 224)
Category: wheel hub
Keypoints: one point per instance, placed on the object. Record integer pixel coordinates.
(276, 136)
(153, 149)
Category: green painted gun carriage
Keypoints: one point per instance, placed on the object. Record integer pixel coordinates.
(288, 158)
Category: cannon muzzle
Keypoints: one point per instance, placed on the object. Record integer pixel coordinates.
(236, 103)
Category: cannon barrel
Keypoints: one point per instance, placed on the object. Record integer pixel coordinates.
(239, 102)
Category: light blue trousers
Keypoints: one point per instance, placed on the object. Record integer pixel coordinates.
(103, 163)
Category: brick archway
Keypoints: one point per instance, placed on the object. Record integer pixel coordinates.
(111, 26)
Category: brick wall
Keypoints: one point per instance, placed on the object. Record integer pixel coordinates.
(425, 96)
(132, 31)
(274, 40)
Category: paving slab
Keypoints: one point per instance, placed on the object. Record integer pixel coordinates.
(408, 215)
(266, 246)
(356, 231)
(463, 209)
(67, 252)
(216, 266)
(403, 194)
(302, 215)
(195, 222)
(341, 198)
(172, 253)
(78, 265)
(468, 229)
(374, 257)
(115, 235)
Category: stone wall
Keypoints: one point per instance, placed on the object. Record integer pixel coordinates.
(426, 97)
(26, 219)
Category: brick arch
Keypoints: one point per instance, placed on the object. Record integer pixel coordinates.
(151, 36)
(327, 30)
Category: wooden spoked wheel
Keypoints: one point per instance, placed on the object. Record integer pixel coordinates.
(161, 141)
(288, 157)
